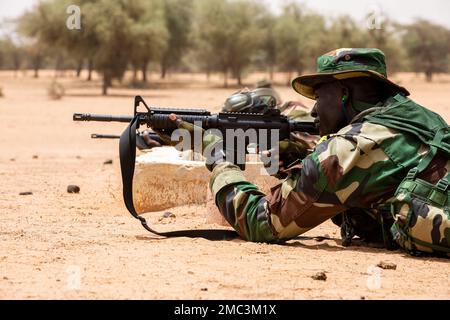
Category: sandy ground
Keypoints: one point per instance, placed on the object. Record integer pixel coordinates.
(71, 246)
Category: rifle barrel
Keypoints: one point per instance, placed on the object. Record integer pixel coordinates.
(100, 117)
(104, 136)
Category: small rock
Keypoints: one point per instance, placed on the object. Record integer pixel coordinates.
(5, 278)
(12, 159)
(320, 276)
(108, 162)
(26, 193)
(362, 298)
(35, 156)
(78, 157)
(204, 289)
(387, 265)
(73, 189)
(168, 214)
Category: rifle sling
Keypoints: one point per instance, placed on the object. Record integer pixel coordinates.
(127, 152)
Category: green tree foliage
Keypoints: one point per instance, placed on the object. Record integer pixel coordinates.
(111, 24)
(178, 21)
(113, 34)
(384, 34)
(297, 38)
(269, 50)
(289, 39)
(148, 33)
(344, 32)
(11, 55)
(428, 47)
(228, 35)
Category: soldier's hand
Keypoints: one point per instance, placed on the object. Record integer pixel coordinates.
(290, 153)
(211, 145)
(207, 139)
(148, 142)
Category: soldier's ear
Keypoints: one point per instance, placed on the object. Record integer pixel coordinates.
(345, 95)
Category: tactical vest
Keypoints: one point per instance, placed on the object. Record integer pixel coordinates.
(421, 210)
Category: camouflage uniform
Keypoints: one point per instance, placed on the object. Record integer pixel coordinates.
(360, 166)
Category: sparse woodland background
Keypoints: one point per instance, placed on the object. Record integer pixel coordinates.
(230, 37)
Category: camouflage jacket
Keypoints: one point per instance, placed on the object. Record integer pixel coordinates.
(361, 166)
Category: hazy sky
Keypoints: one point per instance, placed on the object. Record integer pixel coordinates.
(399, 10)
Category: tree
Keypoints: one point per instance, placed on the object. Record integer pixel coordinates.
(428, 47)
(268, 43)
(178, 21)
(36, 26)
(3, 53)
(13, 55)
(383, 33)
(212, 33)
(290, 39)
(148, 33)
(344, 32)
(227, 35)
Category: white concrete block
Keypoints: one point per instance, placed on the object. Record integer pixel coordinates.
(164, 179)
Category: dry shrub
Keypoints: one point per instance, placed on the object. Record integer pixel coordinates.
(55, 90)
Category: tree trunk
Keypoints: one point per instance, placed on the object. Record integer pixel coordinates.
(163, 70)
(16, 62)
(144, 72)
(79, 67)
(429, 75)
(239, 78)
(271, 69)
(135, 74)
(106, 83)
(36, 66)
(90, 69)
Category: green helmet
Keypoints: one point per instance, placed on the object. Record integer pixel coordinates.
(252, 101)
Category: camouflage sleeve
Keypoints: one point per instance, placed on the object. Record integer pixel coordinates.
(347, 170)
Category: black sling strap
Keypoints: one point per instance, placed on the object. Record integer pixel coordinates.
(127, 152)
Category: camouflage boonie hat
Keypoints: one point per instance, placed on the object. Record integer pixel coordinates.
(343, 64)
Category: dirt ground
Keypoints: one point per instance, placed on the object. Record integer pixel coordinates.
(56, 245)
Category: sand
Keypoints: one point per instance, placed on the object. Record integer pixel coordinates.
(56, 245)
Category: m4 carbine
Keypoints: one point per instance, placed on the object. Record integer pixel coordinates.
(262, 124)
(158, 120)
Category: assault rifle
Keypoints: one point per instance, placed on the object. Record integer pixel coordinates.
(264, 125)
(158, 120)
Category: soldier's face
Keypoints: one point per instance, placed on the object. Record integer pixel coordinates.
(327, 111)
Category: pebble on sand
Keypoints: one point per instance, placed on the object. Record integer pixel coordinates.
(320, 276)
(168, 214)
(387, 265)
(73, 189)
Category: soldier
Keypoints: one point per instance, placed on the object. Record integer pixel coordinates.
(372, 137)
(381, 156)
